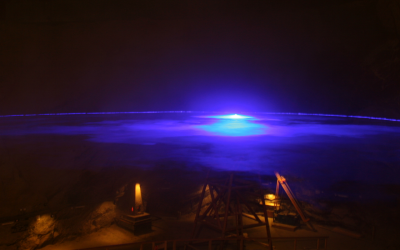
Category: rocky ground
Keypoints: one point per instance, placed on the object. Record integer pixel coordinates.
(88, 206)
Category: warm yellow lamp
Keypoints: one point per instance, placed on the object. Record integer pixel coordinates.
(269, 197)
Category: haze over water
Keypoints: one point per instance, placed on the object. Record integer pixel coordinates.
(319, 148)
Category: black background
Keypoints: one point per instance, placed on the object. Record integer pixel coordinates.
(290, 56)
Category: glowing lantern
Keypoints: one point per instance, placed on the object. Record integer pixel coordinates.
(269, 197)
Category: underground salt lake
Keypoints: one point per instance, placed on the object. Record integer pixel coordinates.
(323, 149)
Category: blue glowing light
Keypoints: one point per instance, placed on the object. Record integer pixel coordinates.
(234, 125)
(233, 116)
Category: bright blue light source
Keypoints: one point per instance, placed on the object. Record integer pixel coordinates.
(234, 125)
(233, 116)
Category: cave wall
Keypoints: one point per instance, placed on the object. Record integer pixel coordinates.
(74, 56)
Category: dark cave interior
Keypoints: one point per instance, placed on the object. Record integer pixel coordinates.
(67, 180)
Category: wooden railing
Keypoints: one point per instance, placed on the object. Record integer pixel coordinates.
(197, 244)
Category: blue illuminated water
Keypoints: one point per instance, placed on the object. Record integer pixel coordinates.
(320, 147)
(233, 125)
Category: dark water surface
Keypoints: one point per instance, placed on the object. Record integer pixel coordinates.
(321, 149)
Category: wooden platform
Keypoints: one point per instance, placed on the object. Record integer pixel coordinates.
(283, 226)
(347, 232)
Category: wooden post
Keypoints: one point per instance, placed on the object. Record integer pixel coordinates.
(205, 212)
(165, 245)
(237, 222)
(266, 217)
(249, 208)
(227, 205)
(153, 244)
(241, 244)
(240, 217)
(236, 214)
(326, 243)
(221, 194)
(277, 190)
(174, 245)
(141, 246)
(199, 208)
(214, 205)
(210, 245)
(293, 200)
(318, 244)
(232, 208)
(295, 244)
